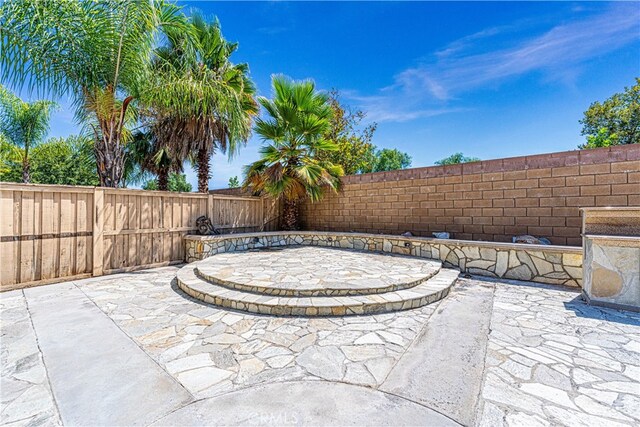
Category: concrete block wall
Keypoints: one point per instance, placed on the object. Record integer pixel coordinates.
(491, 200)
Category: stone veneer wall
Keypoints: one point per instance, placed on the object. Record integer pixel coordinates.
(612, 257)
(490, 200)
(559, 265)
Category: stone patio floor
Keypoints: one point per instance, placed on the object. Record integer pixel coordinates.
(133, 349)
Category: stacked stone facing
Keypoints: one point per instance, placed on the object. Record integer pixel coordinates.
(612, 257)
(555, 265)
(429, 291)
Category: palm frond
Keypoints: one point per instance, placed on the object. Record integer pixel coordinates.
(196, 97)
(22, 123)
(296, 119)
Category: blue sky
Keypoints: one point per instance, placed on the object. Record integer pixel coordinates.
(488, 79)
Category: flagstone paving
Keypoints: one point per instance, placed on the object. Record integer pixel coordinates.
(553, 360)
(550, 359)
(211, 350)
(25, 395)
(316, 271)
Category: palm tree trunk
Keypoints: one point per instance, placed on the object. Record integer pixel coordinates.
(109, 148)
(163, 180)
(203, 170)
(290, 214)
(110, 163)
(26, 176)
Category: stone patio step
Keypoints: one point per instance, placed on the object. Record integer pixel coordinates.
(429, 291)
(209, 271)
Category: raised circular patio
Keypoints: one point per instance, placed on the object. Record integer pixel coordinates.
(311, 271)
(316, 281)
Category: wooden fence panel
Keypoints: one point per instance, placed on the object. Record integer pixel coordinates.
(271, 212)
(52, 233)
(45, 233)
(236, 212)
(145, 228)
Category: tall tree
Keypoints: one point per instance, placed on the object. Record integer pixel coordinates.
(96, 50)
(290, 167)
(389, 159)
(456, 158)
(24, 124)
(614, 121)
(202, 102)
(355, 153)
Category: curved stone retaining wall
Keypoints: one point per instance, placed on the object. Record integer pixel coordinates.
(561, 265)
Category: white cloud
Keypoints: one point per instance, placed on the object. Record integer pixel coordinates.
(468, 41)
(395, 107)
(563, 46)
(483, 58)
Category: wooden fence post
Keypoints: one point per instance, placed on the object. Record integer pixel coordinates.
(98, 230)
(210, 206)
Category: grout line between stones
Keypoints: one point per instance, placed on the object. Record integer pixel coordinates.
(44, 363)
(302, 380)
(435, 308)
(479, 404)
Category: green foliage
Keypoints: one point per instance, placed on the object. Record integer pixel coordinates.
(63, 161)
(234, 182)
(389, 159)
(198, 102)
(137, 167)
(616, 121)
(177, 182)
(290, 167)
(146, 158)
(456, 159)
(602, 139)
(64, 46)
(298, 119)
(96, 51)
(10, 155)
(355, 153)
(23, 124)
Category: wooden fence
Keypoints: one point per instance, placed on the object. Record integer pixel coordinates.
(50, 233)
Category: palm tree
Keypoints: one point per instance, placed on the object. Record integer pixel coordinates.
(23, 124)
(199, 102)
(96, 50)
(148, 156)
(290, 168)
